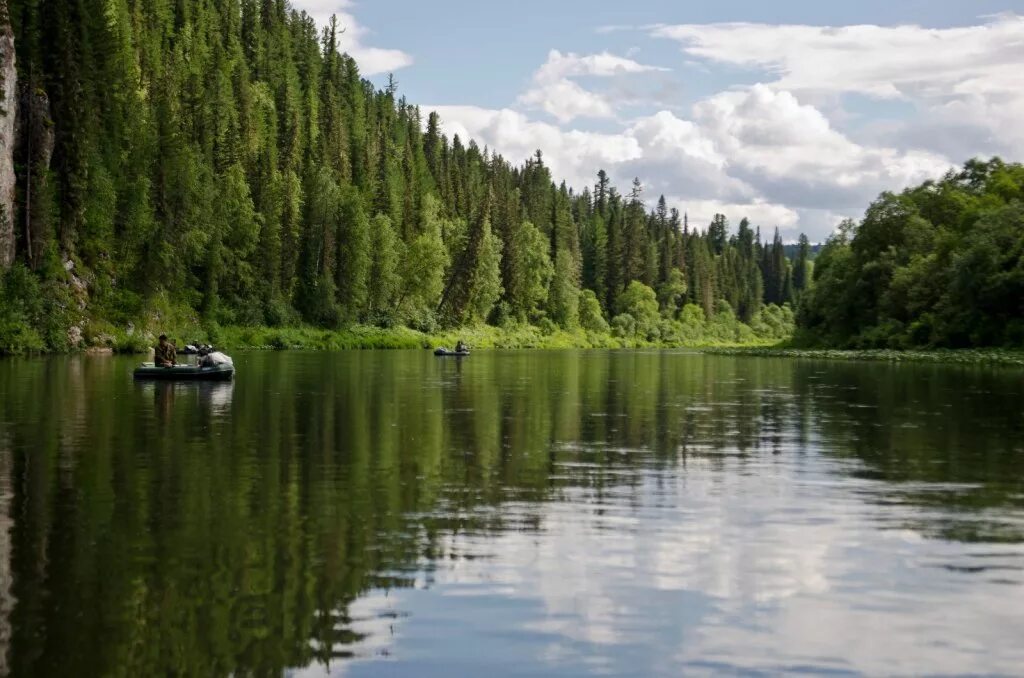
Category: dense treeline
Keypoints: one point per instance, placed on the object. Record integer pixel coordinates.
(940, 264)
(221, 160)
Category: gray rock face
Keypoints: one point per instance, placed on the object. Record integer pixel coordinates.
(8, 110)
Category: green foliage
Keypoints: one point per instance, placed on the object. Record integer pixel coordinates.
(20, 310)
(939, 265)
(672, 293)
(386, 250)
(485, 282)
(224, 157)
(532, 272)
(944, 356)
(564, 301)
(354, 257)
(773, 322)
(640, 304)
(422, 270)
(591, 317)
(624, 326)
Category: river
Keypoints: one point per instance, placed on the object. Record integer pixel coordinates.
(526, 513)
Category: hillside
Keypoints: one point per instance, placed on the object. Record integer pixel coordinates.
(194, 165)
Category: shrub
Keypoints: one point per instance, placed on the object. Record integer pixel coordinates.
(640, 303)
(591, 317)
(624, 326)
(547, 326)
(21, 307)
(280, 313)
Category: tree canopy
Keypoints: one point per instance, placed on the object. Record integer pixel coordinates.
(937, 265)
(223, 161)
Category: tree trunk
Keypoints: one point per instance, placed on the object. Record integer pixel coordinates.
(8, 111)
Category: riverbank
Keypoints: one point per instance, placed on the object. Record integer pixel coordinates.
(479, 337)
(230, 338)
(988, 356)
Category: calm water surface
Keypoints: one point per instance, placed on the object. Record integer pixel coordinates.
(515, 513)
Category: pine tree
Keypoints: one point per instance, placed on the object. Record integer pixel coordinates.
(226, 155)
(800, 266)
(718, 233)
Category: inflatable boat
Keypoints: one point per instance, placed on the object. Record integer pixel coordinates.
(185, 372)
(451, 353)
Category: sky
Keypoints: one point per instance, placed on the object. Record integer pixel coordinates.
(794, 114)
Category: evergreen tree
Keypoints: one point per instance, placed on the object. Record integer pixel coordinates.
(225, 155)
(801, 265)
(527, 290)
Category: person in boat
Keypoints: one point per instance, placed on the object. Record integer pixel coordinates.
(165, 356)
(461, 347)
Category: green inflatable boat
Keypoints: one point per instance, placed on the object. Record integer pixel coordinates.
(185, 372)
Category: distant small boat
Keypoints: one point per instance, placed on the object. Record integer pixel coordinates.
(450, 353)
(185, 372)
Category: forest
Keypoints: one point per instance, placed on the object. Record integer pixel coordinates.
(199, 167)
(937, 265)
(184, 165)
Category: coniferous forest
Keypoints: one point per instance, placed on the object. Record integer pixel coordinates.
(220, 163)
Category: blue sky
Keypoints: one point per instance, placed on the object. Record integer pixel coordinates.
(792, 113)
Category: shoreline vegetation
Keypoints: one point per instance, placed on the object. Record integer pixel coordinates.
(479, 337)
(200, 170)
(365, 337)
(770, 326)
(223, 165)
(961, 356)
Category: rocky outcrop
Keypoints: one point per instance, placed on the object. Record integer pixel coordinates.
(8, 111)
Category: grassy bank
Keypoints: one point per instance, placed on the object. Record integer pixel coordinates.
(479, 337)
(230, 338)
(950, 356)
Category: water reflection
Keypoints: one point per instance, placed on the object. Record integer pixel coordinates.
(556, 512)
(206, 399)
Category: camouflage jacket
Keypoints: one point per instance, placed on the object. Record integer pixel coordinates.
(165, 353)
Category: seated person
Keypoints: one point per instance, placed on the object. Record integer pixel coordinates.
(461, 347)
(165, 356)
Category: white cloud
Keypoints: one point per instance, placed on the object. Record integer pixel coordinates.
(565, 100)
(882, 61)
(967, 83)
(773, 141)
(554, 92)
(371, 60)
(756, 153)
(759, 212)
(573, 155)
(604, 64)
(666, 135)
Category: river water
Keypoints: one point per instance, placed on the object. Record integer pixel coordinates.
(562, 513)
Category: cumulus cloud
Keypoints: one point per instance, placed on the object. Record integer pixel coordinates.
(565, 100)
(572, 155)
(758, 211)
(554, 92)
(882, 61)
(604, 64)
(371, 60)
(756, 153)
(780, 152)
(790, 150)
(967, 82)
